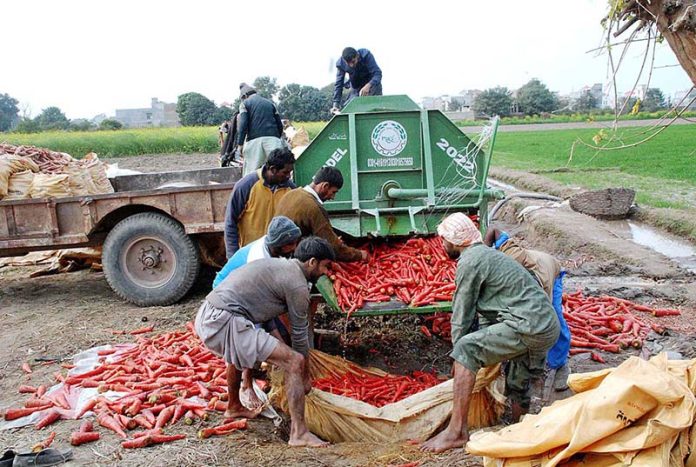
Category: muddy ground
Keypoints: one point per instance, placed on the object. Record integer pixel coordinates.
(63, 314)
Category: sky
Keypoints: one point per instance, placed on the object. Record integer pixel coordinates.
(90, 57)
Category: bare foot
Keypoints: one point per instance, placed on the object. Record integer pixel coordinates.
(242, 412)
(445, 441)
(252, 400)
(307, 439)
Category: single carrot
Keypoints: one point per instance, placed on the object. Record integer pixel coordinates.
(107, 421)
(79, 437)
(86, 426)
(87, 407)
(13, 414)
(142, 330)
(25, 389)
(164, 416)
(34, 402)
(45, 443)
(223, 429)
(26, 368)
(49, 418)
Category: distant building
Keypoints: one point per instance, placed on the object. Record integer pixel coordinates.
(457, 107)
(160, 114)
(597, 91)
(682, 99)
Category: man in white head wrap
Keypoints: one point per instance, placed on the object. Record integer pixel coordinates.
(517, 324)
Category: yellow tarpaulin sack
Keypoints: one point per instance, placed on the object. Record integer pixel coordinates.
(343, 419)
(639, 413)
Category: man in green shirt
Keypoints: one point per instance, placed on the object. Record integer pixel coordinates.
(516, 323)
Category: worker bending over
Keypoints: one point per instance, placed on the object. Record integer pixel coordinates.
(517, 324)
(548, 273)
(305, 207)
(256, 293)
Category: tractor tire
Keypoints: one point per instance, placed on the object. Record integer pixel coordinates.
(149, 260)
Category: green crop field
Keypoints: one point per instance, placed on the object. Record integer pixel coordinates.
(132, 142)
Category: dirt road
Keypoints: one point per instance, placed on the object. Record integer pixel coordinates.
(64, 314)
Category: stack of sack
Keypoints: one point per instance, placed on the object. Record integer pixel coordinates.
(31, 172)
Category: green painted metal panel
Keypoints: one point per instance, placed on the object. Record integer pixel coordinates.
(379, 104)
(385, 142)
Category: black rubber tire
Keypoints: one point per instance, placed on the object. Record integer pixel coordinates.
(153, 229)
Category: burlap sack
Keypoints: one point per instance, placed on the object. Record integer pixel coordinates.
(11, 164)
(80, 180)
(97, 170)
(50, 186)
(300, 138)
(341, 419)
(20, 184)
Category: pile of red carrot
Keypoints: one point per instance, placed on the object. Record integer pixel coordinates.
(158, 376)
(416, 271)
(440, 326)
(608, 323)
(376, 390)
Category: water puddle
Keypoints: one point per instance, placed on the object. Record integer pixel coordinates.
(668, 245)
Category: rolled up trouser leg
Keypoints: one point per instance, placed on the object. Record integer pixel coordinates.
(532, 364)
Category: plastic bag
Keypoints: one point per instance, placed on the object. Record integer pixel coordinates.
(638, 410)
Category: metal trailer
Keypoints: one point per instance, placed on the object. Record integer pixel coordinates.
(404, 169)
(155, 230)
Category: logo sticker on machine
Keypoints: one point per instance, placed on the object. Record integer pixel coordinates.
(389, 138)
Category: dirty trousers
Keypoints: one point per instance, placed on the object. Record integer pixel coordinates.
(500, 342)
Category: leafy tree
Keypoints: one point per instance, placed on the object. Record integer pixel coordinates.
(80, 125)
(28, 125)
(266, 87)
(195, 109)
(303, 103)
(535, 98)
(9, 112)
(494, 101)
(586, 102)
(654, 100)
(52, 118)
(224, 113)
(110, 124)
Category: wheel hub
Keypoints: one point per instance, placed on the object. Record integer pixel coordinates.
(148, 261)
(151, 258)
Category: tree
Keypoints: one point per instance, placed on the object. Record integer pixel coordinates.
(303, 103)
(80, 124)
(195, 109)
(535, 98)
(52, 118)
(28, 125)
(110, 124)
(266, 87)
(654, 100)
(586, 102)
(494, 101)
(9, 112)
(674, 20)
(224, 113)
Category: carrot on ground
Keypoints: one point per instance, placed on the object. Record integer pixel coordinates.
(81, 437)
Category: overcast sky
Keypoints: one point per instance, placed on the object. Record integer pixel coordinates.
(91, 57)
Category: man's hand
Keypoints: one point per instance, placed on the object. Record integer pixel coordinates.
(364, 256)
(365, 91)
(335, 110)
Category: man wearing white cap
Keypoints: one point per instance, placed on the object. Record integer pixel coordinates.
(516, 323)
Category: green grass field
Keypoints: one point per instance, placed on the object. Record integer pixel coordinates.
(670, 155)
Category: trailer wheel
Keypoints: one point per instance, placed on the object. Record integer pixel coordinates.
(149, 260)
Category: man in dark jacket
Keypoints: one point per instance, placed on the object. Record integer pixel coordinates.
(364, 73)
(260, 125)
